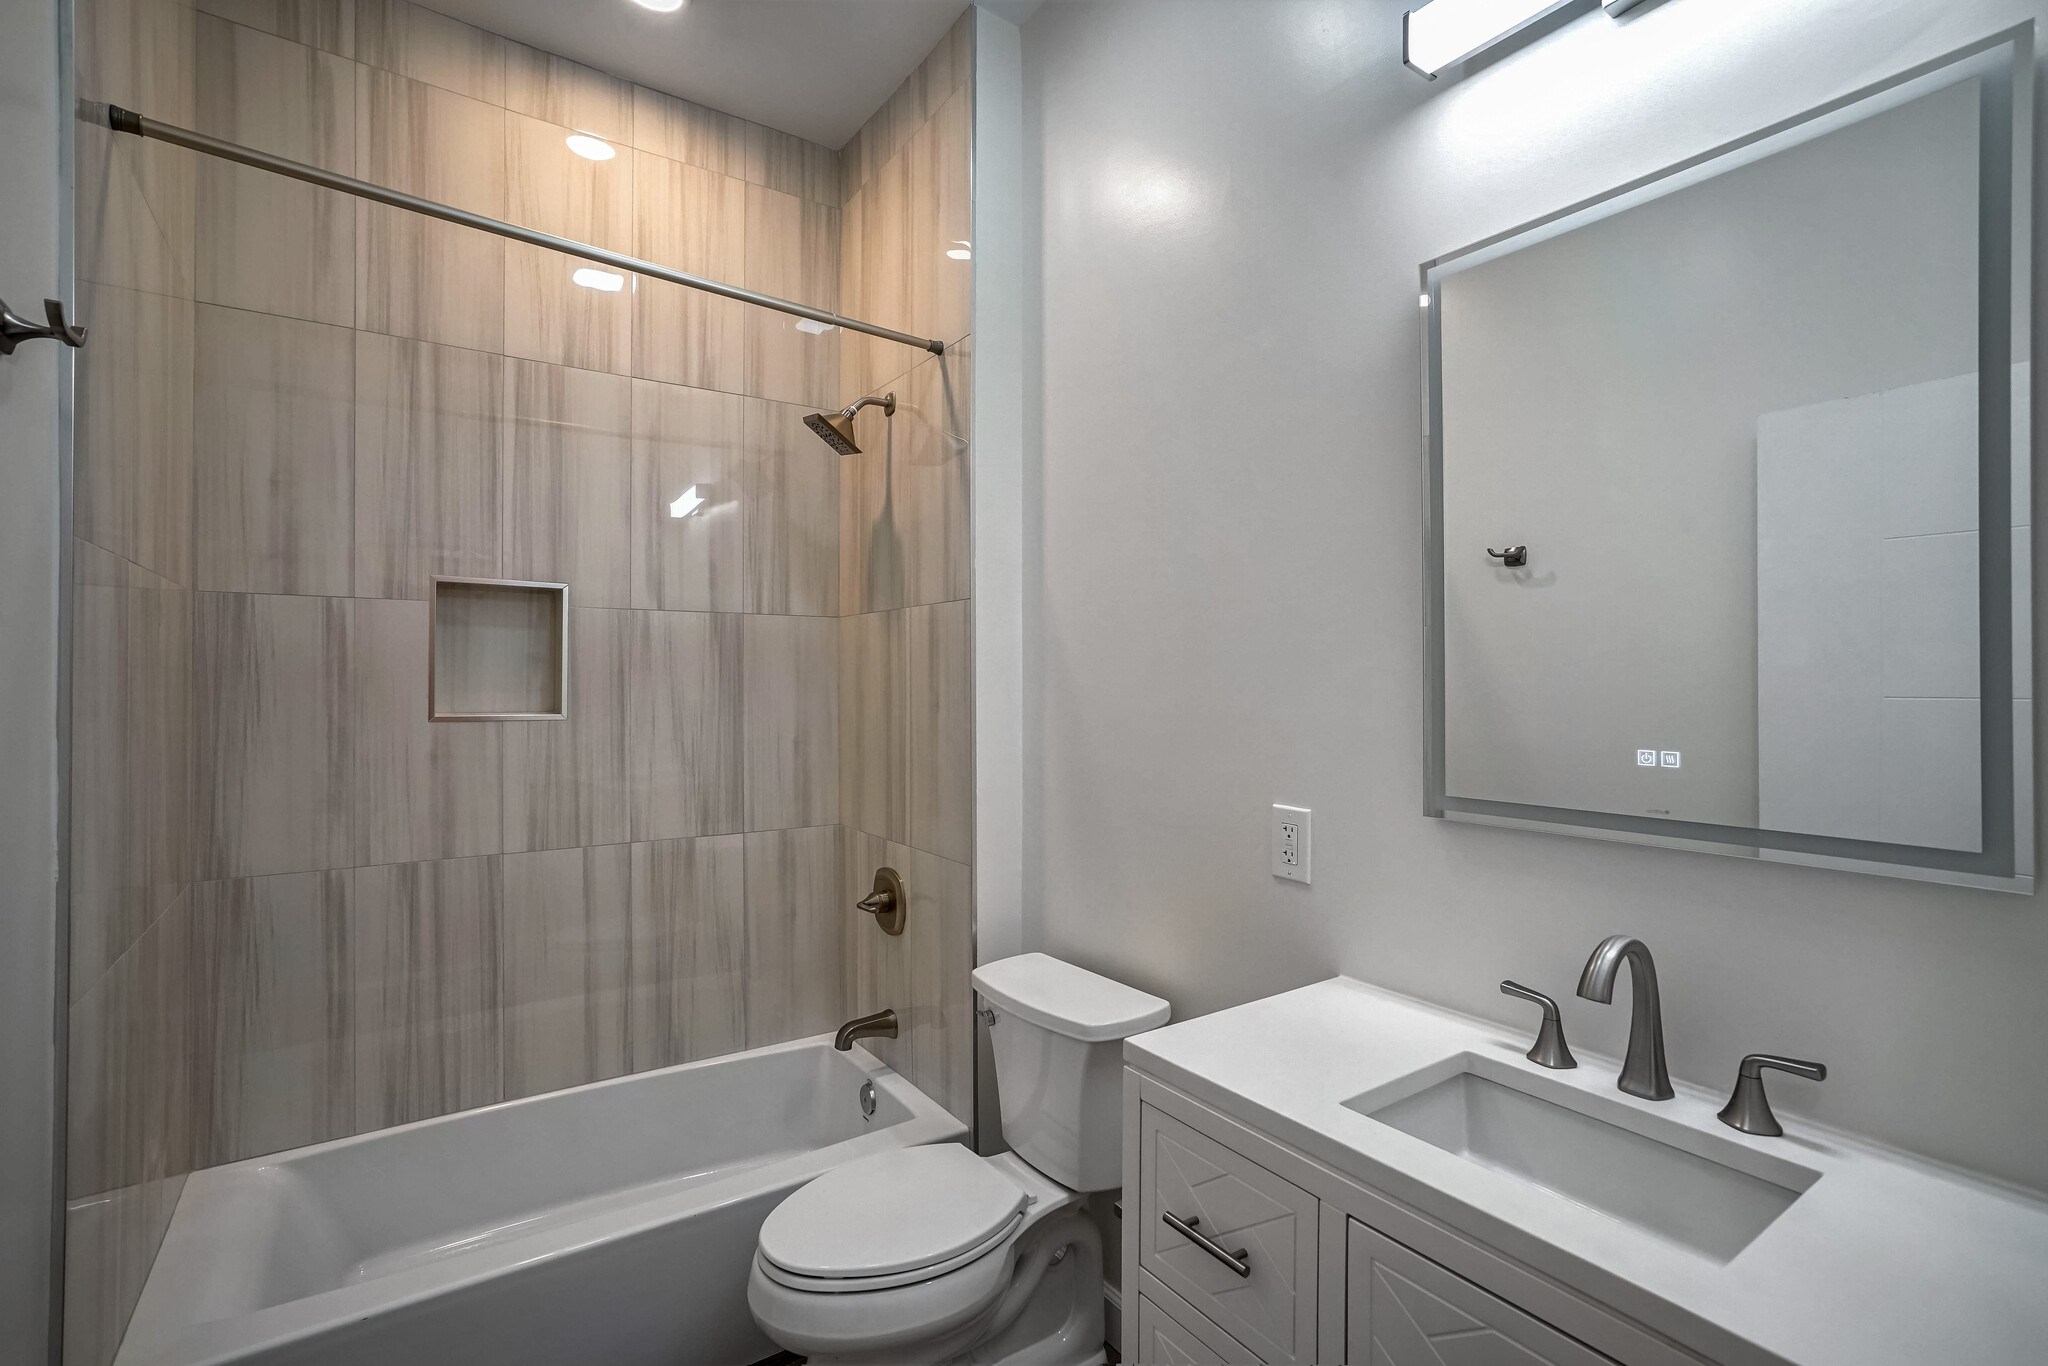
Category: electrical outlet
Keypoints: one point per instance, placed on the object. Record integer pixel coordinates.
(1289, 842)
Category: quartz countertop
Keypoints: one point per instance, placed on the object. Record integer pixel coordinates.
(1884, 1259)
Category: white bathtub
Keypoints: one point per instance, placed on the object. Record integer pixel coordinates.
(613, 1223)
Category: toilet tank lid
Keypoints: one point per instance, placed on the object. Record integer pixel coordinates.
(1042, 990)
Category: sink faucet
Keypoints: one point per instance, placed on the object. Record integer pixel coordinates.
(1642, 1072)
(880, 1025)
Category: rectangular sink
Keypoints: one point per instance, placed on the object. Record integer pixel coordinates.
(1711, 1207)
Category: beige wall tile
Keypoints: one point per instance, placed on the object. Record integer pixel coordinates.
(427, 1011)
(137, 54)
(563, 961)
(267, 242)
(683, 735)
(132, 203)
(789, 505)
(692, 220)
(797, 923)
(419, 277)
(929, 478)
(545, 86)
(569, 481)
(681, 131)
(792, 252)
(275, 752)
(566, 781)
(689, 985)
(429, 437)
(273, 454)
(855, 361)
(329, 25)
(921, 974)
(871, 534)
(133, 441)
(941, 219)
(939, 729)
(685, 439)
(110, 1240)
(885, 256)
(423, 789)
(431, 47)
(873, 748)
(272, 978)
(548, 316)
(792, 722)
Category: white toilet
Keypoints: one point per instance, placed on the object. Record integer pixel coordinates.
(934, 1254)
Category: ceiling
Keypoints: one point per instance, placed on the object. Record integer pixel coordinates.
(815, 68)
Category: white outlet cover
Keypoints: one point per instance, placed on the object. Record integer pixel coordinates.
(1288, 842)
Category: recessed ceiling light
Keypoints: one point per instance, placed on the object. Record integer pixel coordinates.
(590, 148)
(598, 279)
(687, 504)
(662, 6)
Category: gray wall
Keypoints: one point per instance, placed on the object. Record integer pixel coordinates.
(29, 382)
(1226, 595)
(1601, 395)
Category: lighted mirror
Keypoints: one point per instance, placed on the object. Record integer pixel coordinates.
(1730, 496)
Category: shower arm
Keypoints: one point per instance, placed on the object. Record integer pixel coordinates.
(126, 121)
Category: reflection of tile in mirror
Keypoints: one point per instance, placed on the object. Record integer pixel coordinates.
(498, 649)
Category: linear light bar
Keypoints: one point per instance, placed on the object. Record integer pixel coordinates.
(1444, 32)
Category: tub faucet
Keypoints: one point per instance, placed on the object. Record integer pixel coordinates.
(1642, 1071)
(880, 1025)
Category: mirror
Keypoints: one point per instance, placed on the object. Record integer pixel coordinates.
(1712, 462)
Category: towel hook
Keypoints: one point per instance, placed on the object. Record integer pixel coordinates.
(14, 328)
(1514, 557)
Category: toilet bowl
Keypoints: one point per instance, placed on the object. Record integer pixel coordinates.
(936, 1254)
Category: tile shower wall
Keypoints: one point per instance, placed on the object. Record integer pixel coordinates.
(300, 909)
(905, 664)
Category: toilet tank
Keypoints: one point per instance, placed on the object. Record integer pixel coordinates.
(1058, 1042)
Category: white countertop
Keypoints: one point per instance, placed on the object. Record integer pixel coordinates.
(1885, 1259)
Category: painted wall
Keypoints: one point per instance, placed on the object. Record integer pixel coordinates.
(31, 383)
(304, 910)
(1226, 599)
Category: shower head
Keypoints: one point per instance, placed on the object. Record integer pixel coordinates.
(836, 430)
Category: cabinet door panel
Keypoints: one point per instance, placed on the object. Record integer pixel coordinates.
(1235, 1202)
(1405, 1310)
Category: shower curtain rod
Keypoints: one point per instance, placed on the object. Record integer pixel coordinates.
(126, 121)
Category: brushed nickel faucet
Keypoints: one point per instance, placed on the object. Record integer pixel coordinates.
(1550, 1049)
(1749, 1109)
(1642, 1071)
(880, 1025)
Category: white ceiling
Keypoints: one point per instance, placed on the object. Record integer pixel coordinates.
(816, 68)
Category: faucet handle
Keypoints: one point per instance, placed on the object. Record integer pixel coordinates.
(1749, 1109)
(1550, 1049)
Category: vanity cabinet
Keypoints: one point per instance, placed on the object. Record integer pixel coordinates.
(1307, 1265)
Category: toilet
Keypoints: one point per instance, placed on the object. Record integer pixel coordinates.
(936, 1254)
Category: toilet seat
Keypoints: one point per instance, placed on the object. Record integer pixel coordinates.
(891, 1219)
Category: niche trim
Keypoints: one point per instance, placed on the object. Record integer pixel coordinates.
(497, 650)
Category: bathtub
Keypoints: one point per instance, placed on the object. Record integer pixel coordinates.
(613, 1223)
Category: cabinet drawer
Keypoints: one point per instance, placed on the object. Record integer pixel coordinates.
(1238, 1206)
(1405, 1310)
(1174, 1339)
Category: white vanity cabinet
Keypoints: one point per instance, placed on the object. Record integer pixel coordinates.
(1306, 1265)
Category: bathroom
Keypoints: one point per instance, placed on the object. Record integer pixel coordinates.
(468, 694)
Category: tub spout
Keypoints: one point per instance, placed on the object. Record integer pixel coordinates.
(880, 1025)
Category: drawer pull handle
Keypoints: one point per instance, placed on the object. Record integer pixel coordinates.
(1238, 1261)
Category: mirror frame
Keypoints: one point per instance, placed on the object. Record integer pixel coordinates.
(2005, 64)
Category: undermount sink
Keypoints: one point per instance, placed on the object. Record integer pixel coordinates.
(1488, 1114)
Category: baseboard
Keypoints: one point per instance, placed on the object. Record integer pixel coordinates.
(1113, 1315)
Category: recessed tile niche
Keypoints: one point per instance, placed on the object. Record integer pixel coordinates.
(499, 651)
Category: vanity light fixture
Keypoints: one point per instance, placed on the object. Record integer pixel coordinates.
(590, 148)
(687, 504)
(662, 6)
(604, 280)
(1444, 32)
